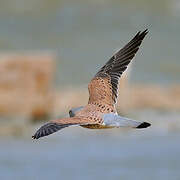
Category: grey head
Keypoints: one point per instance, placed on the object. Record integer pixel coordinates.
(73, 111)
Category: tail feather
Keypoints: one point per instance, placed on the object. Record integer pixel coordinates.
(115, 120)
(143, 125)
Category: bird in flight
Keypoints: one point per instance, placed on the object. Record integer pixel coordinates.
(100, 112)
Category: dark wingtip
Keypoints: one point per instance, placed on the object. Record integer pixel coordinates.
(48, 129)
(145, 31)
(34, 137)
(143, 34)
(143, 125)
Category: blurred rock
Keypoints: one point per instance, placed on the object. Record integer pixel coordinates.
(26, 85)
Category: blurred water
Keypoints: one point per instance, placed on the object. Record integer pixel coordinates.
(100, 156)
(86, 33)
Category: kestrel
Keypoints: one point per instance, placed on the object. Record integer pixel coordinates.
(100, 112)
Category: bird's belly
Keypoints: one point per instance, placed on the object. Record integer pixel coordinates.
(96, 126)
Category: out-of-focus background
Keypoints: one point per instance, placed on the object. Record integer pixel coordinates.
(49, 51)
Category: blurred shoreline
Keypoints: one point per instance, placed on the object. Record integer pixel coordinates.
(134, 97)
(27, 96)
(160, 105)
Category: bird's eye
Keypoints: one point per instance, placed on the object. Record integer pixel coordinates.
(71, 114)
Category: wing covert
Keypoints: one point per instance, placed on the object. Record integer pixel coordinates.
(56, 125)
(104, 86)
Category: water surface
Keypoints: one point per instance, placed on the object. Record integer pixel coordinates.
(91, 155)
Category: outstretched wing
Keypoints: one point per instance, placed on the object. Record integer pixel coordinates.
(103, 87)
(56, 125)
